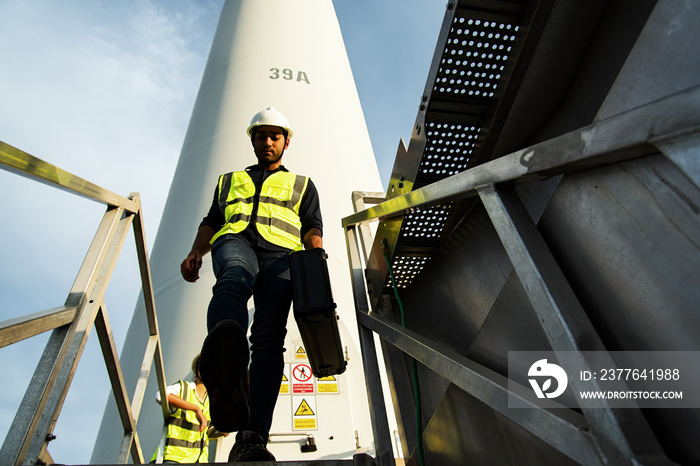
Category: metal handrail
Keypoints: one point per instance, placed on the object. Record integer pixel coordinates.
(71, 323)
(635, 133)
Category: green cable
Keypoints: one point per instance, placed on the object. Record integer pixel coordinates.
(414, 365)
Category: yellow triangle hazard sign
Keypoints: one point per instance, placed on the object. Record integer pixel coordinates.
(329, 378)
(284, 378)
(304, 409)
(301, 350)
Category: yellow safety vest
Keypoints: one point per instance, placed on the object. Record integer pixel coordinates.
(184, 443)
(277, 219)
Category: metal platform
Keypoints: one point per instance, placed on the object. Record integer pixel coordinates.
(359, 460)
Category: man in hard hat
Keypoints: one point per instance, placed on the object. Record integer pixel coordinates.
(258, 216)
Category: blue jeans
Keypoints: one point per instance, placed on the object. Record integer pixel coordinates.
(242, 273)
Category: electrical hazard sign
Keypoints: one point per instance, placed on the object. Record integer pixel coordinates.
(304, 413)
(302, 381)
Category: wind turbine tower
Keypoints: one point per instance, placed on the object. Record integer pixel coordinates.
(291, 56)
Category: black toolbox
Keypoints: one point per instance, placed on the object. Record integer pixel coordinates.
(315, 311)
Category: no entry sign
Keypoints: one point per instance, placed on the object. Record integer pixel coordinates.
(302, 381)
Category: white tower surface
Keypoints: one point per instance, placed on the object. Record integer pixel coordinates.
(291, 56)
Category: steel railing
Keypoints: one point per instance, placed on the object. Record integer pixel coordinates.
(670, 125)
(71, 323)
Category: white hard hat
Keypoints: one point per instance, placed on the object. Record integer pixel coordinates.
(270, 116)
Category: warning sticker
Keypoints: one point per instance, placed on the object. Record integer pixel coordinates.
(327, 385)
(284, 386)
(299, 352)
(304, 409)
(302, 381)
(304, 412)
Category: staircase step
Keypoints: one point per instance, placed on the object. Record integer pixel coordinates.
(359, 459)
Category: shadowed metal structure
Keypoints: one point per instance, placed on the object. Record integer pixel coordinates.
(547, 201)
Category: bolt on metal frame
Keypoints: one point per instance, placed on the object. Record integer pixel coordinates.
(599, 435)
(71, 323)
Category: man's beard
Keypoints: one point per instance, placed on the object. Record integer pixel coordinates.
(264, 160)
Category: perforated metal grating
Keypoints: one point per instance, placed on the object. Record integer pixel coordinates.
(425, 224)
(448, 148)
(471, 66)
(474, 57)
(406, 268)
(421, 227)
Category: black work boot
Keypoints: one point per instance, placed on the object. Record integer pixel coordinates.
(223, 368)
(251, 447)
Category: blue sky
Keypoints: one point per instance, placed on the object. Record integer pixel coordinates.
(104, 90)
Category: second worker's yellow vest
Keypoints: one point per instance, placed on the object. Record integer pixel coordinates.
(184, 443)
(277, 219)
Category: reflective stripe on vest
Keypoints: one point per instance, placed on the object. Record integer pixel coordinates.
(277, 218)
(184, 443)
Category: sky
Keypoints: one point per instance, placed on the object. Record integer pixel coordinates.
(104, 90)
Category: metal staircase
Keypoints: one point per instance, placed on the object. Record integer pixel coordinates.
(536, 191)
(70, 324)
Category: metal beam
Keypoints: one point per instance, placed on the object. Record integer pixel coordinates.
(21, 163)
(627, 135)
(116, 377)
(619, 435)
(564, 429)
(380, 425)
(150, 307)
(21, 328)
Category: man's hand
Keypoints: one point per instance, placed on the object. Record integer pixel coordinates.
(202, 419)
(313, 239)
(177, 402)
(190, 267)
